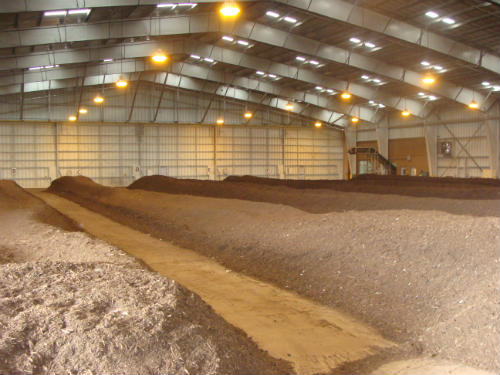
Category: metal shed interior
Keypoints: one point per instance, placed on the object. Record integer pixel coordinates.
(285, 62)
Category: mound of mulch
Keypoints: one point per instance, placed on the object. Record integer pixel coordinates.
(446, 187)
(426, 278)
(14, 197)
(70, 303)
(317, 196)
(113, 319)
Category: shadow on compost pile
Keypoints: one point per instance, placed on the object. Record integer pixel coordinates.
(426, 278)
(70, 303)
(337, 196)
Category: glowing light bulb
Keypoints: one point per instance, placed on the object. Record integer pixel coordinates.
(429, 80)
(248, 115)
(318, 124)
(289, 106)
(121, 83)
(354, 120)
(72, 118)
(83, 111)
(98, 99)
(346, 95)
(405, 113)
(159, 57)
(220, 121)
(229, 9)
(473, 105)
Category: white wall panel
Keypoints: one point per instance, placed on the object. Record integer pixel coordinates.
(33, 154)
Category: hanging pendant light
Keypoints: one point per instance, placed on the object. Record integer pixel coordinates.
(229, 9)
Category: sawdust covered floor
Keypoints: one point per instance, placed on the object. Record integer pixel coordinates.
(70, 303)
(427, 278)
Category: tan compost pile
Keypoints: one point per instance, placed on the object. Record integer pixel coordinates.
(73, 304)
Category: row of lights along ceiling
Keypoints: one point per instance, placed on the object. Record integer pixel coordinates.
(231, 9)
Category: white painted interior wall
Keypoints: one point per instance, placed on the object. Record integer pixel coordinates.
(34, 154)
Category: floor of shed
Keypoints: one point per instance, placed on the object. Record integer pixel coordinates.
(314, 338)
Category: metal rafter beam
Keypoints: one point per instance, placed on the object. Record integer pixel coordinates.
(355, 15)
(195, 78)
(35, 79)
(235, 58)
(43, 5)
(244, 29)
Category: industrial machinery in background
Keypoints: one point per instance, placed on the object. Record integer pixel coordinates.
(371, 162)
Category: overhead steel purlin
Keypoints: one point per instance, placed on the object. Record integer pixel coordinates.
(343, 11)
(244, 29)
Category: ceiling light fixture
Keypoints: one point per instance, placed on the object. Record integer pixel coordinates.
(107, 60)
(432, 14)
(448, 21)
(370, 45)
(83, 111)
(196, 57)
(485, 83)
(98, 99)
(432, 97)
(438, 67)
(300, 58)
(260, 73)
(355, 40)
(229, 9)
(85, 11)
(272, 14)
(364, 76)
(346, 95)
(354, 120)
(228, 38)
(243, 42)
(289, 106)
(425, 63)
(318, 124)
(248, 115)
(272, 75)
(121, 83)
(376, 80)
(289, 19)
(495, 88)
(54, 13)
(473, 105)
(72, 118)
(381, 105)
(208, 59)
(314, 62)
(319, 88)
(159, 57)
(220, 121)
(405, 113)
(429, 80)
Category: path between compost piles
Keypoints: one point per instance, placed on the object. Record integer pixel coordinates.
(312, 337)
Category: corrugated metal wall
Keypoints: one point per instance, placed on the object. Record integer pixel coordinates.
(464, 129)
(469, 152)
(33, 154)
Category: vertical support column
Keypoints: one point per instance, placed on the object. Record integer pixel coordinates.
(430, 133)
(350, 142)
(493, 135)
(382, 134)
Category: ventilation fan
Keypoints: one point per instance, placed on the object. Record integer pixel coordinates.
(445, 148)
